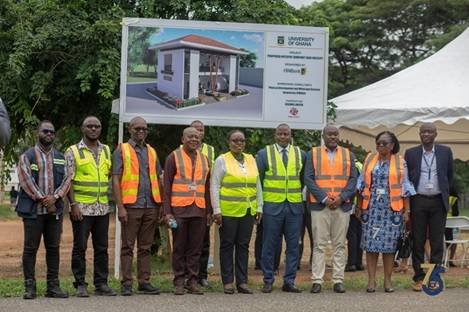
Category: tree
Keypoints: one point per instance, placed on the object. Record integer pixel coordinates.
(248, 60)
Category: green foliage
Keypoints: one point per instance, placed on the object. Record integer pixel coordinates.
(60, 59)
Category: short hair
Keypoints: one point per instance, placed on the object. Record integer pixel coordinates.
(44, 122)
(228, 136)
(197, 122)
(87, 117)
(394, 140)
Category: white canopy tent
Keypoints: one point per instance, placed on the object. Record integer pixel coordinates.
(434, 90)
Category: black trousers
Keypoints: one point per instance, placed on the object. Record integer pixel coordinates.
(354, 236)
(258, 248)
(98, 227)
(427, 212)
(203, 260)
(235, 235)
(306, 227)
(49, 227)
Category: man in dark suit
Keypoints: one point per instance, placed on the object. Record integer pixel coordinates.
(430, 168)
(280, 171)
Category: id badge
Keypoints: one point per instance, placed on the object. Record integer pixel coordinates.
(429, 185)
(380, 191)
(192, 187)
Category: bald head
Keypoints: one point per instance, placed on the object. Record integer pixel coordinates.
(427, 135)
(138, 130)
(190, 139)
(282, 135)
(330, 135)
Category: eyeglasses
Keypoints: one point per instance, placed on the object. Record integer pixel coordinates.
(138, 129)
(93, 126)
(383, 143)
(48, 131)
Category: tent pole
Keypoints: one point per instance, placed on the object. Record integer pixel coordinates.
(117, 235)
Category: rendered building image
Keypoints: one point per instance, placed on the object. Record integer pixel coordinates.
(192, 65)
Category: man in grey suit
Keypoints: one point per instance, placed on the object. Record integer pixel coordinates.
(5, 131)
(430, 168)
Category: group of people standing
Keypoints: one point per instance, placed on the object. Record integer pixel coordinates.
(235, 191)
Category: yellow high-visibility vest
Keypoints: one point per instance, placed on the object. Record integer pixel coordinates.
(238, 190)
(282, 183)
(90, 183)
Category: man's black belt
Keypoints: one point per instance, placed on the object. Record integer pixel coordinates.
(429, 196)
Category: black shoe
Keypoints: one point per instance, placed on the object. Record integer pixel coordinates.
(54, 291)
(148, 289)
(104, 290)
(350, 268)
(316, 288)
(360, 267)
(267, 288)
(204, 283)
(388, 290)
(228, 289)
(290, 288)
(29, 289)
(370, 290)
(244, 290)
(126, 290)
(339, 288)
(82, 292)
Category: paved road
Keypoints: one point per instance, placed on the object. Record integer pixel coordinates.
(454, 300)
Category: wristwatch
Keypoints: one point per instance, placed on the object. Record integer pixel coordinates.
(56, 196)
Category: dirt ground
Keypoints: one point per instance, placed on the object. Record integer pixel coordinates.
(11, 244)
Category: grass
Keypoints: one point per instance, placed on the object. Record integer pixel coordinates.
(131, 79)
(14, 287)
(7, 212)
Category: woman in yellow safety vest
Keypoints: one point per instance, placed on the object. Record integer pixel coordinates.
(384, 189)
(236, 197)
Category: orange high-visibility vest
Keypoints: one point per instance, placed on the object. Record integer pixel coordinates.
(130, 174)
(331, 178)
(189, 183)
(395, 180)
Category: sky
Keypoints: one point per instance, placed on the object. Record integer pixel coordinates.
(298, 3)
(251, 41)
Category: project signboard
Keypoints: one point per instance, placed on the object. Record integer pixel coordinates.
(225, 74)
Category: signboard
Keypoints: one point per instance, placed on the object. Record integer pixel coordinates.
(225, 74)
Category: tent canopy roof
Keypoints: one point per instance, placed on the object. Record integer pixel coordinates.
(433, 90)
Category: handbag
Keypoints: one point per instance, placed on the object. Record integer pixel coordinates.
(404, 245)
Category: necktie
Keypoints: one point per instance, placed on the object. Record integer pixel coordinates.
(285, 157)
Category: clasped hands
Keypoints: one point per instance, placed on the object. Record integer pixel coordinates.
(333, 203)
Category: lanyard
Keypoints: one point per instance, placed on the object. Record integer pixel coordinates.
(429, 166)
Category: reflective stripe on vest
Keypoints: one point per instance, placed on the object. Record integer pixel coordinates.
(282, 184)
(208, 151)
(238, 190)
(90, 184)
(131, 177)
(331, 178)
(189, 182)
(395, 180)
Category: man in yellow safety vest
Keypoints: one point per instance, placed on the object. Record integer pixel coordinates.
(90, 163)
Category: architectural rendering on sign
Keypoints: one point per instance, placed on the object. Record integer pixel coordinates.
(194, 67)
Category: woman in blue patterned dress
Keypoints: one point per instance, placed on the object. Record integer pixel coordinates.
(384, 189)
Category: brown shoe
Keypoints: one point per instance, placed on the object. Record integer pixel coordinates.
(193, 289)
(417, 286)
(179, 290)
